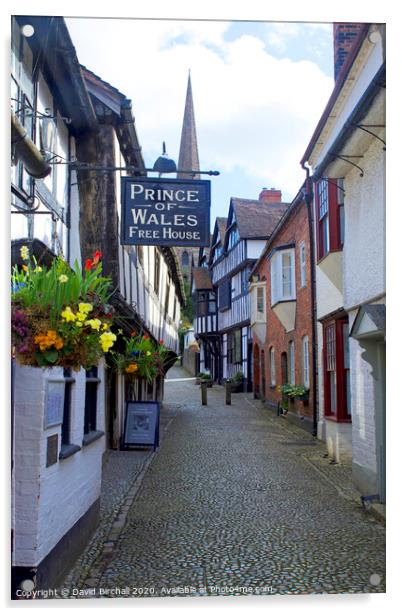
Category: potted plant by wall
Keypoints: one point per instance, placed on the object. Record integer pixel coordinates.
(237, 382)
(141, 358)
(206, 378)
(60, 316)
(291, 392)
(202, 376)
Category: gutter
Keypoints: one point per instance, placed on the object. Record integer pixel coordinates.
(23, 149)
(358, 113)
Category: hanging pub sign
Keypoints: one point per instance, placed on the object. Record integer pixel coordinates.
(164, 212)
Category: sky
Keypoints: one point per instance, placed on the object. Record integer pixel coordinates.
(259, 89)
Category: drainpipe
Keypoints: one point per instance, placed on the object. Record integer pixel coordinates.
(309, 206)
(23, 149)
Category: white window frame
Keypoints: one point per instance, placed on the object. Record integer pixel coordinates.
(278, 293)
(306, 362)
(272, 370)
(291, 351)
(302, 253)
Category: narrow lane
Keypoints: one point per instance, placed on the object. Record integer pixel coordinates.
(229, 506)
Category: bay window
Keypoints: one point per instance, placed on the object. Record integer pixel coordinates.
(283, 286)
(330, 216)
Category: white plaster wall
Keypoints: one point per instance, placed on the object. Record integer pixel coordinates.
(338, 437)
(364, 248)
(363, 407)
(48, 501)
(255, 248)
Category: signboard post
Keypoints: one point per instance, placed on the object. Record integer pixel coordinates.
(141, 425)
(165, 212)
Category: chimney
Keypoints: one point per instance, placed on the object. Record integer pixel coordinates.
(271, 195)
(345, 36)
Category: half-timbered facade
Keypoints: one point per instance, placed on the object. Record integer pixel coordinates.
(236, 245)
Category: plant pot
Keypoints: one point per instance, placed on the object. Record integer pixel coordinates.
(208, 382)
(237, 388)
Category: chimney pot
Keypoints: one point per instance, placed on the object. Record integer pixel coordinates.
(271, 195)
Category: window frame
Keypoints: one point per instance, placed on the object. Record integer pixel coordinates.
(91, 401)
(277, 276)
(329, 227)
(305, 352)
(341, 413)
(292, 364)
(303, 272)
(272, 367)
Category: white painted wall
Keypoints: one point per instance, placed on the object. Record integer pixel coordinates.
(364, 248)
(48, 501)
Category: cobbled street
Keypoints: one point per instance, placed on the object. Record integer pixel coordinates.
(236, 501)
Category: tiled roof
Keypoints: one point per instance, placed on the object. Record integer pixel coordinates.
(257, 219)
(202, 278)
(222, 224)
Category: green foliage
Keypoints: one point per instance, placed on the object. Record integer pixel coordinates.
(292, 391)
(142, 358)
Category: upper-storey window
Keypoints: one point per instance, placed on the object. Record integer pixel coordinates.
(330, 216)
(233, 237)
(22, 98)
(283, 287)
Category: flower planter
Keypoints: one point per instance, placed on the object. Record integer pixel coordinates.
(209, 382)
(237, 388)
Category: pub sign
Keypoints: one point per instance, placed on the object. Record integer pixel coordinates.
(165, 212)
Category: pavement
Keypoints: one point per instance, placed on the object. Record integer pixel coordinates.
(235, 501)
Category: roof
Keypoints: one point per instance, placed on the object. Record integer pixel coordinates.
(342, 78)
(257, 219)
(202, 278)
(222, 222)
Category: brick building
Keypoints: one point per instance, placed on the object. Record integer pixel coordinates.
(282, 315)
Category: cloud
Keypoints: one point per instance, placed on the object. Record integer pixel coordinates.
(253, 110)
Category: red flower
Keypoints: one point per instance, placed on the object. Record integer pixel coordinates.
(133, 333)
(97, 257)
(88, 264)
(146, 337)
(161, 342)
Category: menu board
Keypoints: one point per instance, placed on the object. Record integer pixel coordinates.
(141, 424)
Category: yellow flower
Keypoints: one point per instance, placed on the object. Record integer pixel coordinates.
(24, 252)
(63, 278)
(94, 323)
(132, 368)
(81, 316)
(105, 326)
(148, 353)
(38, 268)
(85, 308)
(79, 323)
(107, 339)
(25, 268)
(68, 315)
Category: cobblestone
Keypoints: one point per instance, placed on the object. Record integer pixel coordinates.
(235, 502)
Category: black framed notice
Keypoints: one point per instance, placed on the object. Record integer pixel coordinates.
(141, 426)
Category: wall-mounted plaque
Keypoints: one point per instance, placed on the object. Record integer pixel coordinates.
(141, 425)
(54, 403)
(52, 449)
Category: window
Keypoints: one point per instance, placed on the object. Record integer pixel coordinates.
(261, 300)
(336, 370)
(305, 362)
(234, 347)
(330, 216)
(167, 297)
(157, 266)
(291, 349)
(224, 295)
(283, 276)
(66, 425)
(303, 264)
(185, 259)
(233, 237)
(272, 366)
(91, 400)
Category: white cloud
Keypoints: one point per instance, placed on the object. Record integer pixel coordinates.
(253, 111)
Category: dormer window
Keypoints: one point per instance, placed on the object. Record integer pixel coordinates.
(283, 286)
(233, 237)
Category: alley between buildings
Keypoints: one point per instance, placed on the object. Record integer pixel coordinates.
(235, 501)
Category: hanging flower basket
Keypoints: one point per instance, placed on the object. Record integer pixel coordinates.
(60, 316)
(141, 358)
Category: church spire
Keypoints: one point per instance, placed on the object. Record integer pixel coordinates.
(188, 155)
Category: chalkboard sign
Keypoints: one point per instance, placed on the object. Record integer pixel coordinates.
(141, 424)
(54, 403)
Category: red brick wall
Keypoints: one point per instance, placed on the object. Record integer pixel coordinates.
(295, 230)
